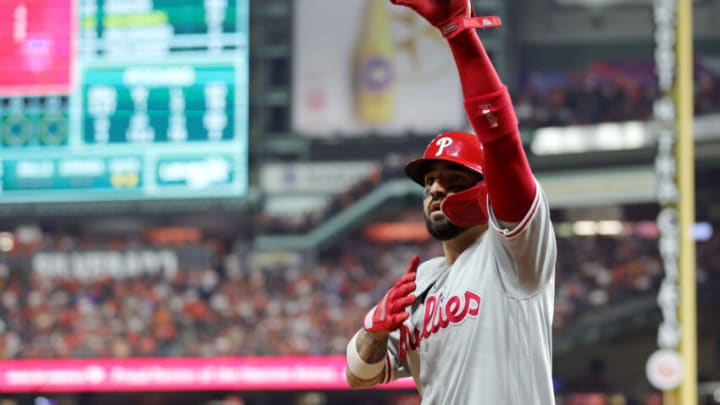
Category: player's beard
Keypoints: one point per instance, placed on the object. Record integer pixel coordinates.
(442, 229)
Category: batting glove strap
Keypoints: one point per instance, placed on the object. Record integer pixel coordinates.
(454, 26)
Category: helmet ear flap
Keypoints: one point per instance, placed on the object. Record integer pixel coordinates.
(468, 207)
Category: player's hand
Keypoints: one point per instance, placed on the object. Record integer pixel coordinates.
(390, 313)
(438, 12)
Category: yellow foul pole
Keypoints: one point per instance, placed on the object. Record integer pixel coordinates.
(687, 392)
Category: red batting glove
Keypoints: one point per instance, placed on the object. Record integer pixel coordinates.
(451, 17)
(390, 313)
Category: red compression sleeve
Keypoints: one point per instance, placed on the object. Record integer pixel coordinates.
(477, 73)
(510, 182)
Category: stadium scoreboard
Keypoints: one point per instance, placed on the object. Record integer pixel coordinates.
(123, 99)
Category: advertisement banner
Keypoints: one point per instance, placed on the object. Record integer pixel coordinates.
(319, 178)
(178, 374)
(36, 46)
(387, 72)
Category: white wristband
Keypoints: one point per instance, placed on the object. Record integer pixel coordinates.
(358, 366)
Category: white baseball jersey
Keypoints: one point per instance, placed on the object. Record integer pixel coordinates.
(480, 331)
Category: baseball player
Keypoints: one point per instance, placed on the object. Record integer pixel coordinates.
(474, 326)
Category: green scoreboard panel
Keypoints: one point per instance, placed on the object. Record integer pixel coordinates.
(157, 106)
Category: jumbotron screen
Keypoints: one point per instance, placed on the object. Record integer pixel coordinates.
(123, 99)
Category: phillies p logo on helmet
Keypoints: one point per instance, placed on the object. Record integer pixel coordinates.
(458, 147)
(442, 143)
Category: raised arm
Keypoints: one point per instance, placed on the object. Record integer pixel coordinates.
(509, 179)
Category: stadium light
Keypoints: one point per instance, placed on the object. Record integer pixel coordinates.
(585, 228)
(609, 227)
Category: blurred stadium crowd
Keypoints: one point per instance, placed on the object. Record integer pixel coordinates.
(605, 92)
(235, 302)
(224, 299)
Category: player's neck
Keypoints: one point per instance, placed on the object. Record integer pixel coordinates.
(453, 248)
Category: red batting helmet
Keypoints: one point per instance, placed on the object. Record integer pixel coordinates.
(458, 147)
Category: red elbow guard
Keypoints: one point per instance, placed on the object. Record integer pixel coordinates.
(492, 115)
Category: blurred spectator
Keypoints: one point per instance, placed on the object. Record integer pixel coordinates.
(604, 92)
(241, 303)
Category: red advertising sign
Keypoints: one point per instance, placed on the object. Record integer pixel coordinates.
(36, 47)
(179, 374)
